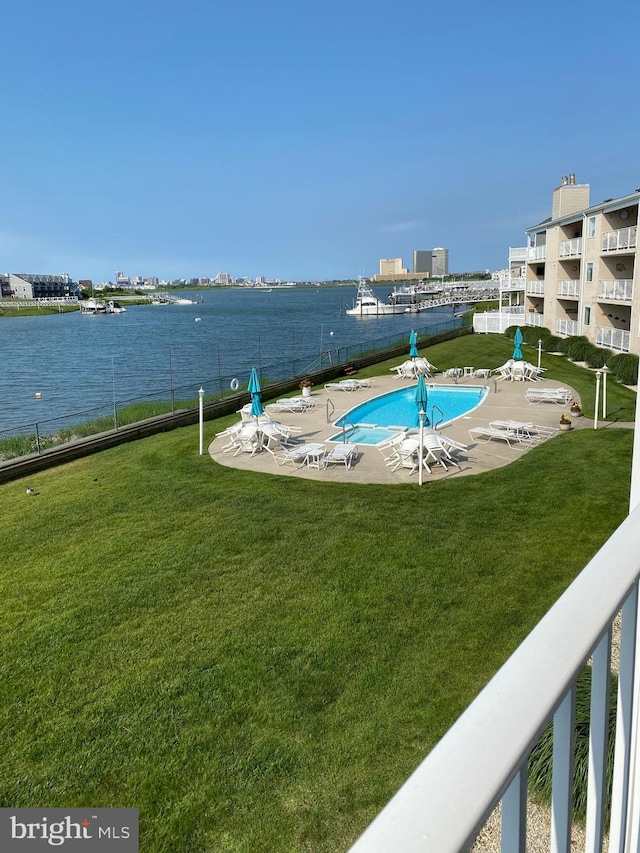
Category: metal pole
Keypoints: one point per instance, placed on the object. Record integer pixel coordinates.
(421, 448)
(321, 338)
(595, 420)
(173, 408)
(539, 351)
(201, 416)
(113, 383)
(605, 370)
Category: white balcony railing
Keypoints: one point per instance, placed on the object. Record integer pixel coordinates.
(535, 288)
(534, 319)
(497, 322)
(519, 254)
(616, 289)
(511, 284)
(537, 253)
(623, 238)
(570, 247)
(566, 327)
(569, 287)
(612, 338)
(482, 760)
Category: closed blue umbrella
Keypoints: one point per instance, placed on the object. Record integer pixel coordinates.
(517, 341)
(254, 383)
(256, 406)
(254, 389)
(422, 399)
(413, 344)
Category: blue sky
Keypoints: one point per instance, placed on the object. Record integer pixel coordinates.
(303, 140)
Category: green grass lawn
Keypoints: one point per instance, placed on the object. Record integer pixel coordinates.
(258, 662)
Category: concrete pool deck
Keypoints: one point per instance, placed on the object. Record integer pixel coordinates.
(505, 401)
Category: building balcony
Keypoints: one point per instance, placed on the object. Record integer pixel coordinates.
(506, 284)
(610, 338)
(569, 288)
(567, 248)
(482, 760)
(519, 255)
(566, 327)
(620, 240)
(615, 290)
(535, 288)
(537, 253)
(534, 318)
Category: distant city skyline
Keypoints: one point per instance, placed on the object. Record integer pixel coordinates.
(300, 141)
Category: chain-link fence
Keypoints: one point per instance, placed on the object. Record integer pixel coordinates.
(41, 435)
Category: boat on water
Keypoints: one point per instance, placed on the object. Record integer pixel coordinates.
(170, 299)
(367, 304)
(99, 306)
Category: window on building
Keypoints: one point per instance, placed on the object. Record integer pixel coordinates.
(587, 315)
(589, 272)
(591, 227)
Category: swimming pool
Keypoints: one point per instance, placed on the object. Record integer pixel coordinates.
(445, 404)
(366, 434)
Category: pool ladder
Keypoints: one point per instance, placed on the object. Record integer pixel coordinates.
(435, 425)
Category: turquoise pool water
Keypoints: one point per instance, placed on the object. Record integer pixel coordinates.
(367, 434)
(398, 409)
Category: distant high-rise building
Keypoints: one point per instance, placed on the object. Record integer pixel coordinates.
(392, 266)
(223, 278)
(439, 262)
(422, 262)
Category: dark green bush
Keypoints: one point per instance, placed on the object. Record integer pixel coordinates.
(578, 347)
(599, 357)
(625, 368)
(541, 758)
(552, 343)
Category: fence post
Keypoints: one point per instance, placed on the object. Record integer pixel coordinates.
(38, 439)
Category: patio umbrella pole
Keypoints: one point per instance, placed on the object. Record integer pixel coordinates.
(421, 448)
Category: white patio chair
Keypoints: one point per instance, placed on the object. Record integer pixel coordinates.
(436, 451)
(389, 448)
(249, 440)
(407, 455)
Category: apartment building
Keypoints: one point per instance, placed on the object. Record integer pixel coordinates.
(581, 268)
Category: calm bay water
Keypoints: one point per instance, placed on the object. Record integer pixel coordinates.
(77, 362)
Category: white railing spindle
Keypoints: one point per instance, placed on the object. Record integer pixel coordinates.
(598, 742)
(513, 816)
(561, 799)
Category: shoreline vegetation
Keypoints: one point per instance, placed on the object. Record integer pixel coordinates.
(218, 648)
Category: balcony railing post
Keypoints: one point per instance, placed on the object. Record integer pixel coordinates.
(561, 796)
(513, 816)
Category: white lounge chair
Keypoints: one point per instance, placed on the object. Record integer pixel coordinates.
(531, 431)
(509, 436)
(341, 453)
(561, 396)
(344, 385)
(299, 455)
(293, 405)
